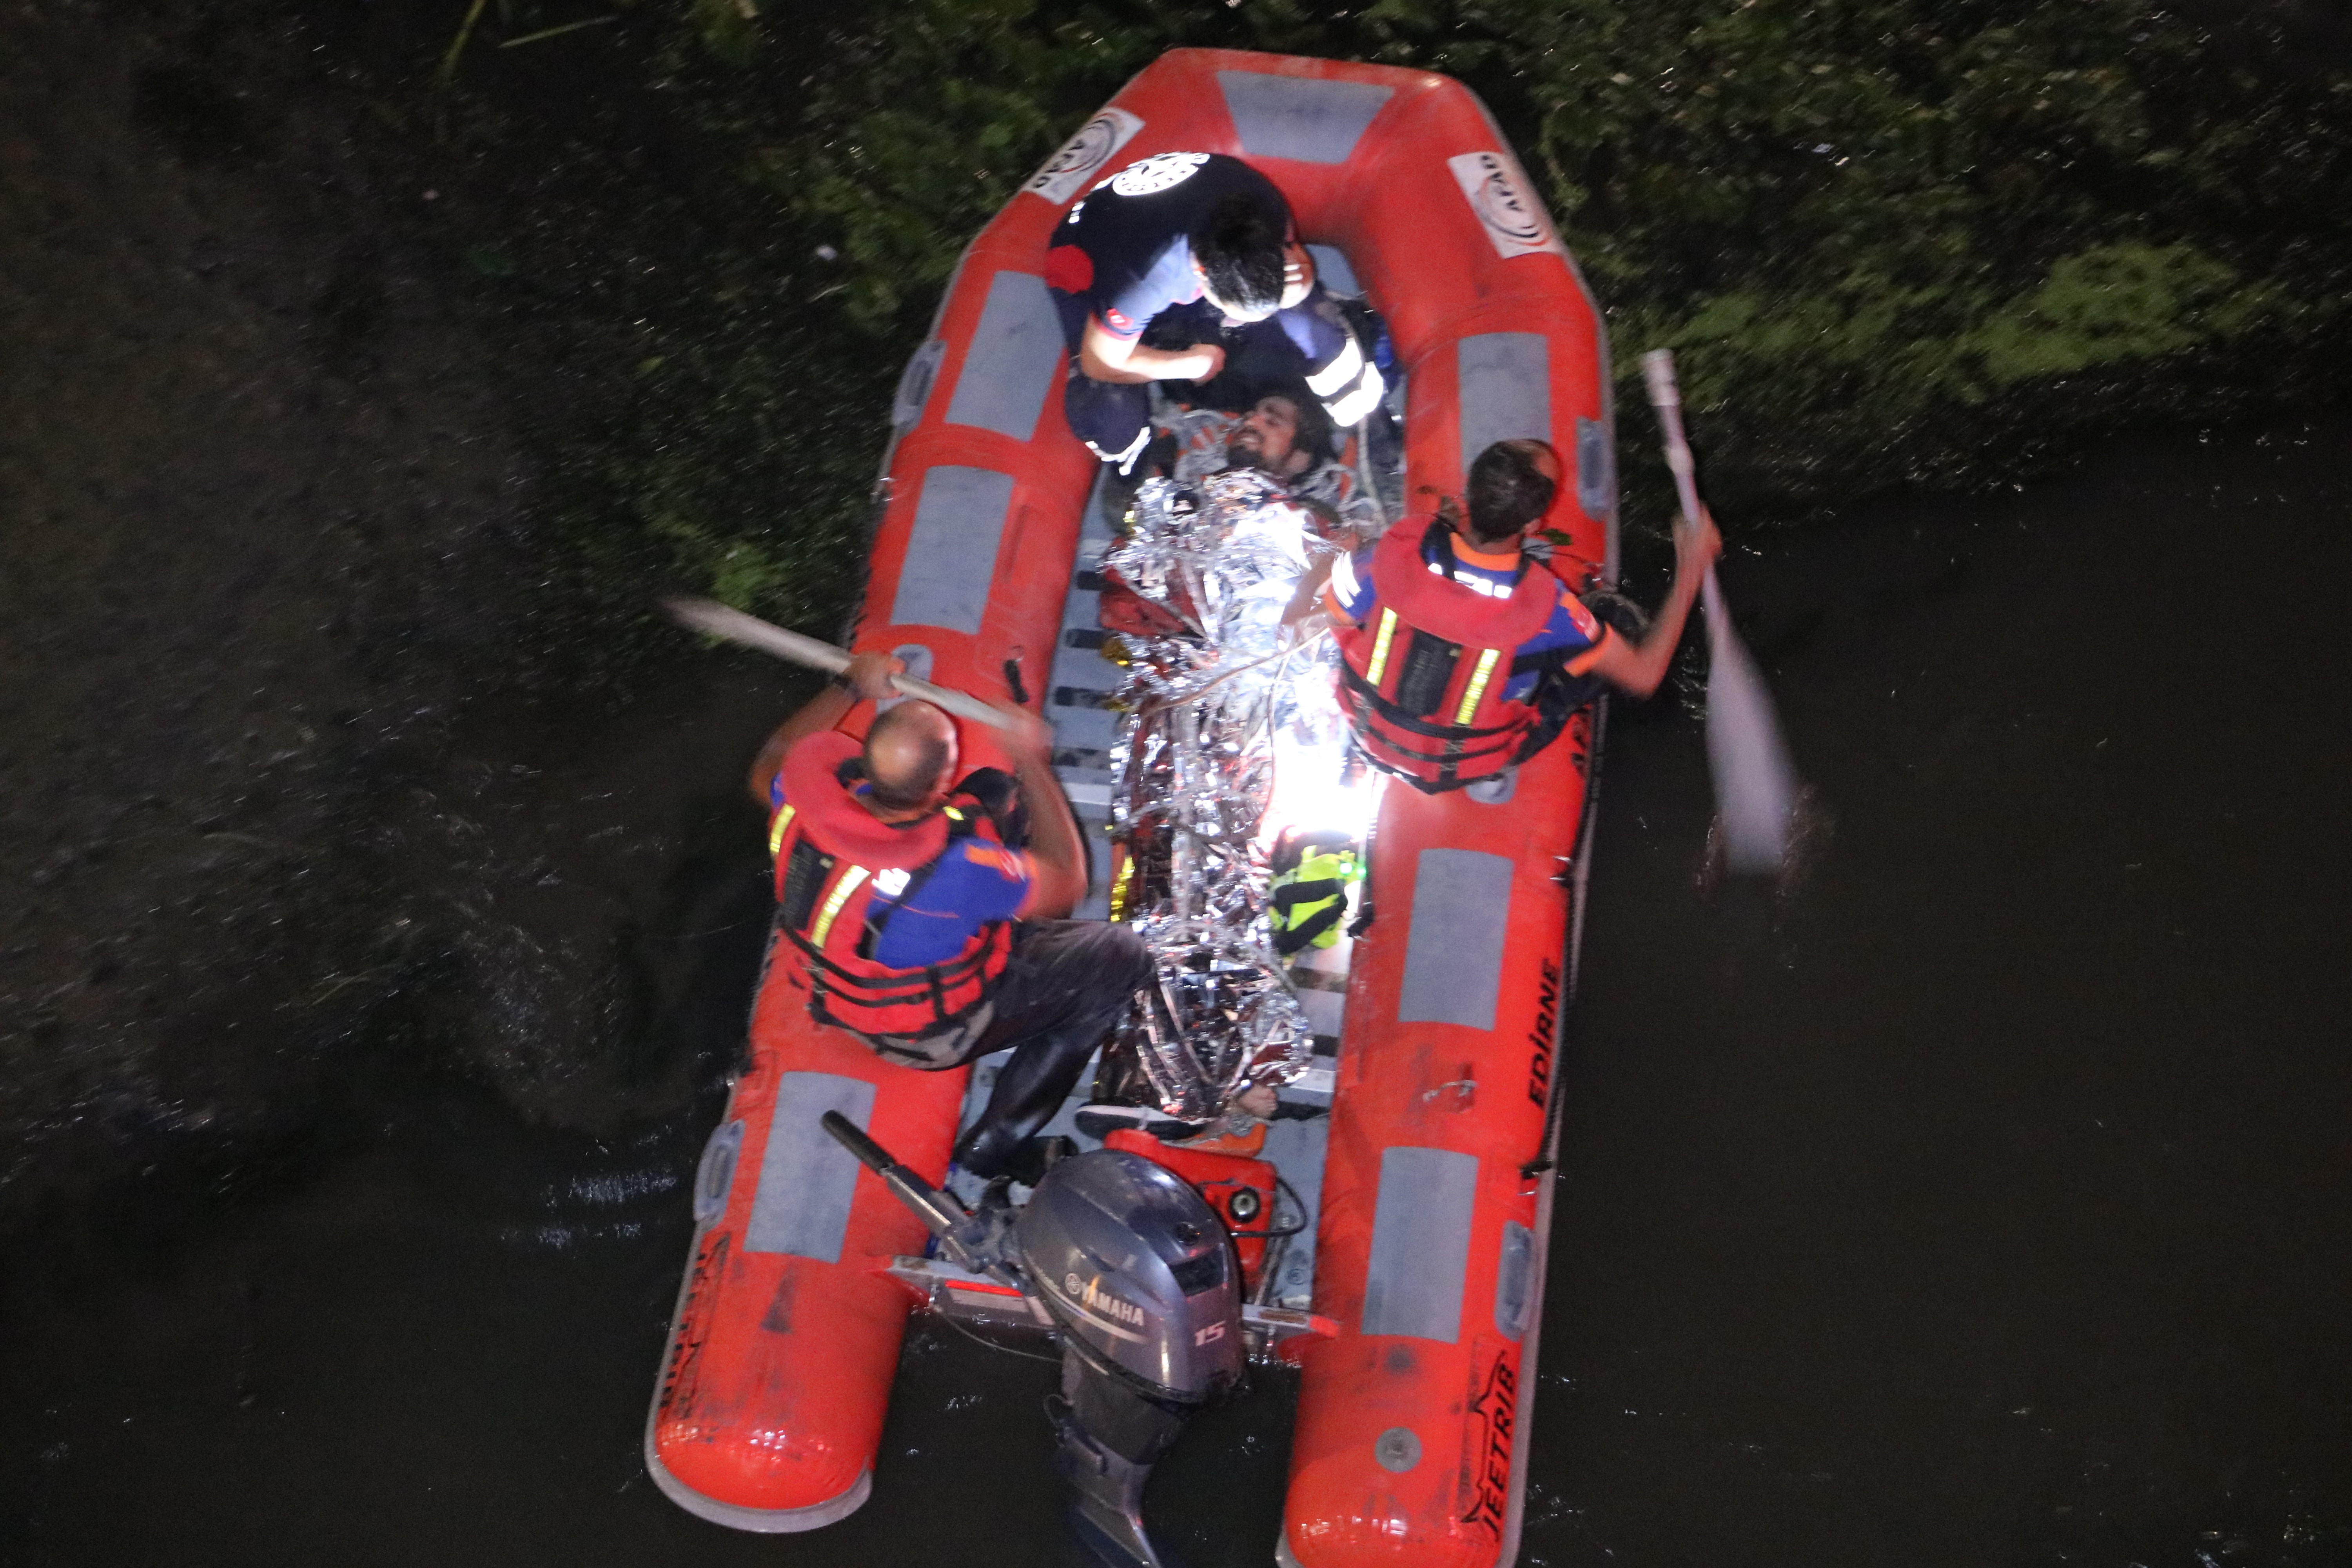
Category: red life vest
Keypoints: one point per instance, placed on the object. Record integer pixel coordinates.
(841, 874)
(1423, 677)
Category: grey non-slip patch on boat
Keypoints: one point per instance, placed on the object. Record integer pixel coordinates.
(1506, 390)
(1421, 1243)
(1009, 365)
(1300, 117)
(952, 549)
(1337, 273)
(807, 1179)
(1453, 949)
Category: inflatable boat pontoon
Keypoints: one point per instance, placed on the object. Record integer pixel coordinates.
(1415, 1132)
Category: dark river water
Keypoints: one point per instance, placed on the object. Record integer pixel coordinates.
(1982, 1198)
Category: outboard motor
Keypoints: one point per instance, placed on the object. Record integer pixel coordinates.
(1136, 1270)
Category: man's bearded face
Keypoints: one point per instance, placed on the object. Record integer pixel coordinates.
(1265, 438)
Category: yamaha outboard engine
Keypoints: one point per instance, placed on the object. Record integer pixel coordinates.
(1136, 1270)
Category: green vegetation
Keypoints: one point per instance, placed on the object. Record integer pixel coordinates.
(1892, 244)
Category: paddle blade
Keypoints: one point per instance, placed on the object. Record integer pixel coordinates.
(1755, 782)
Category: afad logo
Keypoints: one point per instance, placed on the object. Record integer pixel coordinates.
(1098, 142)
(1090, 1294)
(1512, 220)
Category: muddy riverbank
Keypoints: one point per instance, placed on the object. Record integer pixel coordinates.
(319, 768)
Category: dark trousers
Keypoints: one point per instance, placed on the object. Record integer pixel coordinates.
(1066, 985)
(1113, 417)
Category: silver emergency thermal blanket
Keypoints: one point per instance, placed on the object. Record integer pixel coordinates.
(1194, 772)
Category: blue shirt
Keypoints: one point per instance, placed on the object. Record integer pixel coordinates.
(1571, 627)
(1126, 253)
(974, 883)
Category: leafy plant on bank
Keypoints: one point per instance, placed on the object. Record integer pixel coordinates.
(1891, 244)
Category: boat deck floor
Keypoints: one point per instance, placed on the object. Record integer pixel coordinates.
(1079, 687)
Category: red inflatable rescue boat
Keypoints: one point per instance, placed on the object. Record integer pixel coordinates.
(1429, 1177)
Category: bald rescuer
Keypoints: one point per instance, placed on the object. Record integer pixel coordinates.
(1461, 656)
(927, 904)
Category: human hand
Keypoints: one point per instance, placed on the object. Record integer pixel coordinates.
(1026, 736)
(1210, 359)
(1697, 545)
(869, 674)
(1297, 275)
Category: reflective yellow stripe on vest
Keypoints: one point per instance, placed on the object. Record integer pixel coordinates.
(851, 878)
(1119, 888)
(1478, 687)
(776, 833)
(1380, 648)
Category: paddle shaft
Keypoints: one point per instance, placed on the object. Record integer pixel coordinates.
(1755, 783)
(734, 625)
(1658, 371)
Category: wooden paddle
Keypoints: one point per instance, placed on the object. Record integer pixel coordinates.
(1755, 782)
(734, 625)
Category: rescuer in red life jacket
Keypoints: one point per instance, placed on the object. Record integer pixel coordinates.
(1461, 656)
(927, 905)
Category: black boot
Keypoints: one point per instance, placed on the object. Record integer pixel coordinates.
(1029, 1089)
(1068, 982)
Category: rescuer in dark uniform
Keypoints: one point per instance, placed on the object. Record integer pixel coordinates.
(1203, 241)
(1462, 656)
(927, 905)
